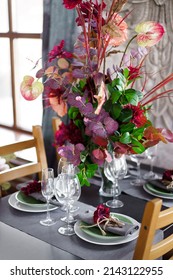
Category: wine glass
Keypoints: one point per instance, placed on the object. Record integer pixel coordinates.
(138, 158)
(115, 170)
(65, 166)
(151, 154)
(67, 188)
(47, 189)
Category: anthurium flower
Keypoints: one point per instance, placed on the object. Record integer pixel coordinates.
(149, 33)
(71, 4)
(31, 89)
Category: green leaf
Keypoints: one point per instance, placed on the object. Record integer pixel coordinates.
(73, 112)
(118, 83)
(132, 96)
(82, 83)
(127, 127)
(79, 123)
(116, 110)
(126, 115)
(138, 131)
(116, 95)
(125, 138)
(126, 72)
(137, 146)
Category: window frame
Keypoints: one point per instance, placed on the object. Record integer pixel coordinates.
(11, 35)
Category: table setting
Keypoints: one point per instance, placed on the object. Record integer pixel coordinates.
(87, 242)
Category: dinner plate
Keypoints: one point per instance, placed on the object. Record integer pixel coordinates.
(157, 192)
(28, 200)
(13, 202)
(95, 237)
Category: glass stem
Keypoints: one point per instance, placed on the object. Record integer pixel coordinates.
(48, 213)
(151, 166)
(68, 215)
(115, 189)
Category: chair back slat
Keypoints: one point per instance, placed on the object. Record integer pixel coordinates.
(19, 171)
(154, 219)
(28, 168)
(18, 146)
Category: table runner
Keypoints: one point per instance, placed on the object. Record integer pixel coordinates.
(136, 191)
(29, 223)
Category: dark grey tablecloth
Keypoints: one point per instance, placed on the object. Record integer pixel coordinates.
(29, 223)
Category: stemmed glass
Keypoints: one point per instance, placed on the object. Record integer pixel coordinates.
(64, 166)
(151, 154)
(47, 189)
(115, 170)
(138, 158)
(67, 188)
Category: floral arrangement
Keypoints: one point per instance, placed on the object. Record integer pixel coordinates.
(107, 112)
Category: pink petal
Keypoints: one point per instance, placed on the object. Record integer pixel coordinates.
(149, 33)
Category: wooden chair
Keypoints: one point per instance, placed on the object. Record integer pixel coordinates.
(56, 122)
(153, 219)
(29, 167)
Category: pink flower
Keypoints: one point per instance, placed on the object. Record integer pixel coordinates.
(149, 33)
(115, 30)
(31, 89)
(71, 4)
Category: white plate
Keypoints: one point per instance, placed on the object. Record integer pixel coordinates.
(110, 241)
(158, 193)
(26, 208)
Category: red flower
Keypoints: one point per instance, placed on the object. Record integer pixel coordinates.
(134, 72)
(138, 118)
(58, 51)
(101, 213)
(71, 4)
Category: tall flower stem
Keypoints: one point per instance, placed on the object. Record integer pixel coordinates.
(126, 49)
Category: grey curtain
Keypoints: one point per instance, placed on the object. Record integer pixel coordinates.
(58, 24)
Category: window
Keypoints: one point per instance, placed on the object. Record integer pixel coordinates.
(20, 48)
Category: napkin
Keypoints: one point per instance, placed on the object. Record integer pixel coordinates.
(37, 195)
(165, 185)
(126, 228)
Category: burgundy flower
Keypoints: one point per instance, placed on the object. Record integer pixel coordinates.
(32, 187)
(58, 51)
(168, 175)
(70, 133)
(71, 4)
(101, 213)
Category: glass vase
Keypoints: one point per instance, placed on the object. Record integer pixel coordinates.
(111, 171)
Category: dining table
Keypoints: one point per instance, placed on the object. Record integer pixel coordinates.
(23, 237)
